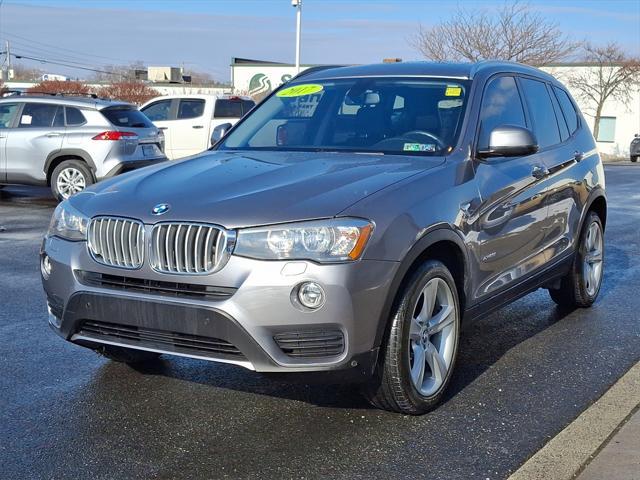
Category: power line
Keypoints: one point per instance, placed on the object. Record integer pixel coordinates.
(42, 60)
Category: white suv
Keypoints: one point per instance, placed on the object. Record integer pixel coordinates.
(68, 143)
(188, 120)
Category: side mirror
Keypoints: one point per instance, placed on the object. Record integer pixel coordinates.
(219, 132)
(510, 141)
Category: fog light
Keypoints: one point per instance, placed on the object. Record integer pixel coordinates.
(46, 266)
(311, 295)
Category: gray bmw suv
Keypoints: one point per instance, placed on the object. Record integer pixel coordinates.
(343, 229)
(69, 143)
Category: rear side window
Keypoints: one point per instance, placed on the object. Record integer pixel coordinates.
(501, 105)
(192, 108)
(36, 115)
(568, 109)
(545, 126)
(232, 108)
(158, 111)
(126, 117)
(7, 112)
(74, 116)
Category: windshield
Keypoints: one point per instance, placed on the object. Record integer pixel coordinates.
(377, 115)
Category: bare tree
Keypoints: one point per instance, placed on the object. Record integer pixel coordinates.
(22, 72)
(127, 91)
(612, 75)
(513, 33)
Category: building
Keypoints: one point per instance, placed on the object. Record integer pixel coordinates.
(618, 123)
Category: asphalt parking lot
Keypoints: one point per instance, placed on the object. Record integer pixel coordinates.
(524, 373)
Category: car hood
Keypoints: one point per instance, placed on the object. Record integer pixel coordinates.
(240, 189)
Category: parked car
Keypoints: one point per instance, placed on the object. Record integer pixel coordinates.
(634, 148)
(343, 229)
(69, 143)
(188, 121)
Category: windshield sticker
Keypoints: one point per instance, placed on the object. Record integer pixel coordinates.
(419, 147)
(453, 91)
(300, 90)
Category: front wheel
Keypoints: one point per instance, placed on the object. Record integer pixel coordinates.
(422, 344)
(634, 158)
(580, 287)
(69, 178)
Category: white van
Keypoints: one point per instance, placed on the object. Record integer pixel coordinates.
(188, 120)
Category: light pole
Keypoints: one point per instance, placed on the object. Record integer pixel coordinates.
(297, 4)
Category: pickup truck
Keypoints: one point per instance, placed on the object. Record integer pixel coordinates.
(188, 120)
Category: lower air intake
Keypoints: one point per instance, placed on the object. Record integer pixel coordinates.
(311, 343)
(160, 339)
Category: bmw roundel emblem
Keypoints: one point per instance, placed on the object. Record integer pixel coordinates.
(160, 209)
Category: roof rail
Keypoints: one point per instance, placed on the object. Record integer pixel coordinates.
(8, 93)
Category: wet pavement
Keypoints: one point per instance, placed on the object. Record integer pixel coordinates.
(523, 374)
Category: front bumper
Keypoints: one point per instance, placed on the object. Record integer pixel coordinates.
(256, 307)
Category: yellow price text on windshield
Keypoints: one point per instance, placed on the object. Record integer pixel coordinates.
(300, 90)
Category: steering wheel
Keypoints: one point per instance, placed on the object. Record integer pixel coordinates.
(407, 136)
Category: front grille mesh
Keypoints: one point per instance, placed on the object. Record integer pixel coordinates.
(160, 339)
(187, 248)
(311, 343)
(117, 242)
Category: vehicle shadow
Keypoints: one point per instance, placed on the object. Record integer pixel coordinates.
(483, 343)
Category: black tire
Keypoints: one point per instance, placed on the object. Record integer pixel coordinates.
(75, 165)
(573, 291)
(634, 158)
(127, 355)
(391, 387)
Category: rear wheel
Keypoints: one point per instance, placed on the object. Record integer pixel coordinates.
(69, 178)
(580, 287)
(127, 355)
(634, 158)
(422, 345)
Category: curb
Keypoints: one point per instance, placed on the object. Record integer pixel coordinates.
(567, 453)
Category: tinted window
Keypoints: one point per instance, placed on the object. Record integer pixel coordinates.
(74, 116)
(228, 109)
(158, 111)
(36, 115)
(562, 125)
(501, 105)
(545, 126)
(126, 117)
(7, 111)
(568, 109)
(190, 109)
(247, 105)
(58, 120)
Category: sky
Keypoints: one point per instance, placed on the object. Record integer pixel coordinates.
(205, 34)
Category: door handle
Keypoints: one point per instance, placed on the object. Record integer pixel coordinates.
(163, 128)
(3, 136)
(578, 156)
(539, 172)
(53, 134)
(197, 126)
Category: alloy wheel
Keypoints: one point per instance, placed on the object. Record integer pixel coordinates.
(432, 336)
(593, 258)
(70, 181)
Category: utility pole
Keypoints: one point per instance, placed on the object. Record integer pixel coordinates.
(297, 4)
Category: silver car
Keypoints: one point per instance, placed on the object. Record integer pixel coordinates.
(69, 143)
(343, 229)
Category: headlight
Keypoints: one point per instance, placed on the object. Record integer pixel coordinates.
(332, 240)
(68, 223)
